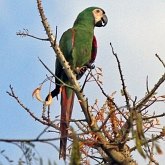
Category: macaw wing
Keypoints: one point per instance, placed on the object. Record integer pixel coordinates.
(66, 48)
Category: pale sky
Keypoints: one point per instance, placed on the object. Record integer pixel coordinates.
(135, 28)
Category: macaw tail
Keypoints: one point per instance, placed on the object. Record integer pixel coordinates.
(67, 99)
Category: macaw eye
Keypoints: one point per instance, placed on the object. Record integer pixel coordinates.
(97, 11)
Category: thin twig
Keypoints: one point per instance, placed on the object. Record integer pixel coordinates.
(106, 95)
(143, 102)
(80, 126)
(78, 120)
(54, 146)
(12, 94)
(151, 156)
(160, 60)
(28, 140)
(147, 141)
(85, 81)
(153, 117)
(122, 79)
(63, 83)
(147, 85)
(45, 129)
(148, 105)
(105, 121)
(26, 33)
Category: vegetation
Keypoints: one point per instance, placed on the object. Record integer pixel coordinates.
(104, 134)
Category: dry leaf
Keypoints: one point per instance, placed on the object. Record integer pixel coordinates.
(49, 101)
(163, 131)
(158, 149)
(36, 94)
(100, 69)
(93, 121)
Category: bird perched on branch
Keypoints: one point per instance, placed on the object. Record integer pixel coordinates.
(79, 47)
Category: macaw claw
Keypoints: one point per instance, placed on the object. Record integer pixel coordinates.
(81, 70)
(90, 66)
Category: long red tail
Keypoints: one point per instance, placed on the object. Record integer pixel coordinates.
(67, 99)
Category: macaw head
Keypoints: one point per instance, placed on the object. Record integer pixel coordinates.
(99, 17)
(94, 16)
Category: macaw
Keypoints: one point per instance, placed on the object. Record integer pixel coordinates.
(79, 47)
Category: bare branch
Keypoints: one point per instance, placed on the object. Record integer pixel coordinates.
(85, 81)
(25, 33)
(54, 74)
(122, 79)
(12, 94)
(45, 129)
(154, 116)
(160, 60)
(147, 85)
(99, 86)
(29, 140)
(148, 141)
(144, 100)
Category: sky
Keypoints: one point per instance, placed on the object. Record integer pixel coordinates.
(136, 30)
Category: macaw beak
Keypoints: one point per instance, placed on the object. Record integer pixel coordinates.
(102, 22)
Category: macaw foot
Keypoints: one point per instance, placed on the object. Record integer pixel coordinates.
(81, 70)
(90, 66)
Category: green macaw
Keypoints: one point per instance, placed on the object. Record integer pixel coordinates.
(79, 47)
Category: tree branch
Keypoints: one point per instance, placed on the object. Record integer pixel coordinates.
(26, 33)
(160, 60)
(143, 102)
(147, 141)
(122, 79)
(12, 94)
(28, 140)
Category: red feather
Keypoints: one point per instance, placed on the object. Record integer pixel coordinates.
(66, 112)
(94, 50)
